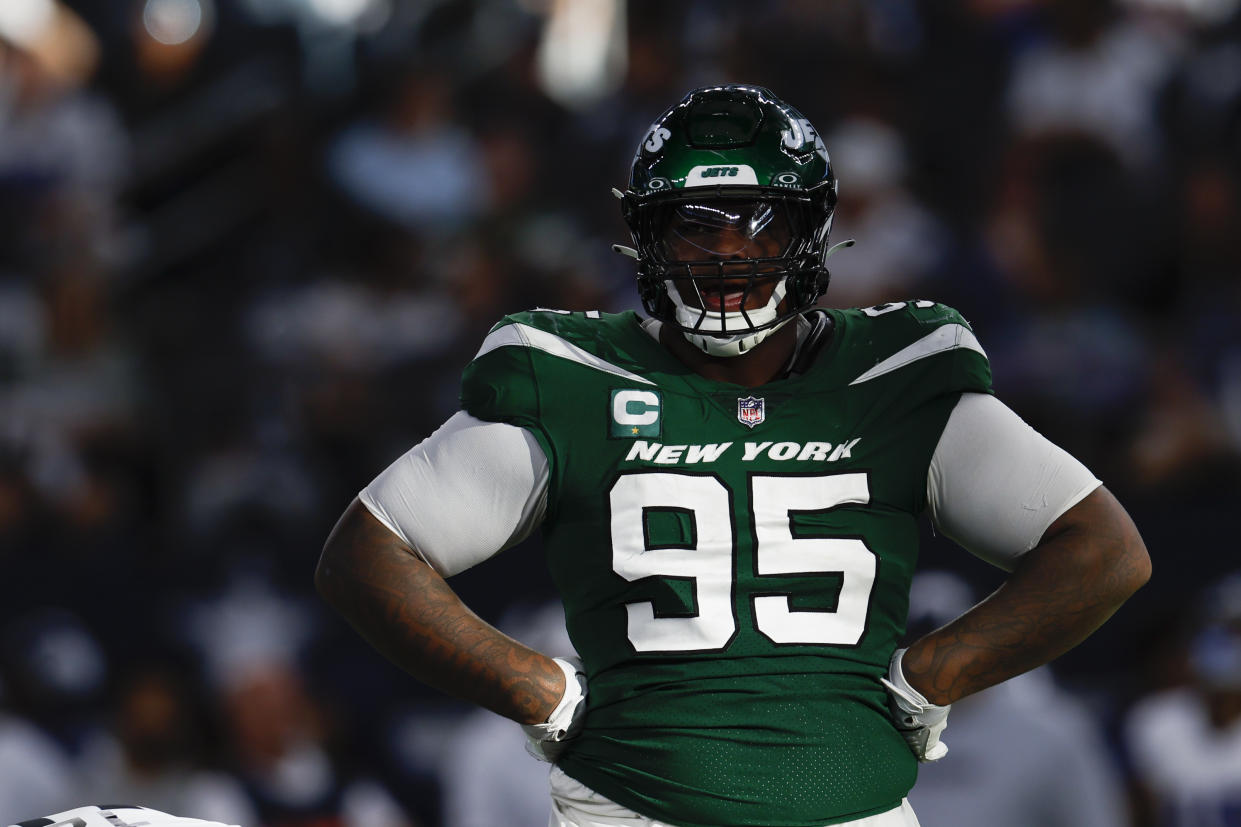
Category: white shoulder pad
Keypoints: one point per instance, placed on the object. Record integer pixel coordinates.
(466, 492)
(995, 484)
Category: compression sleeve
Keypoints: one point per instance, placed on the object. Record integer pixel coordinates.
(466, 492)
(995, 484)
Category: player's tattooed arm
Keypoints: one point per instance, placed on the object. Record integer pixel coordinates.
(407, 612)
(1089, 561)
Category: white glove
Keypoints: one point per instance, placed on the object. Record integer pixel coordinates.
(918, 720)
(116, 817)
(547, 740)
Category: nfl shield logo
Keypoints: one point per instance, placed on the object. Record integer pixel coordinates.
(750, 411)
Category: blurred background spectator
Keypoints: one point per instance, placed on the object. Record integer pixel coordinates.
(1185, 741)
(247, 246)
(156, 749)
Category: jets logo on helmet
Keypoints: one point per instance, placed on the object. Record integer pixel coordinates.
(655, 140)
(800, 133)
(730, 204)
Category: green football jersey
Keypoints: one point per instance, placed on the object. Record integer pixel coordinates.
(734, 562)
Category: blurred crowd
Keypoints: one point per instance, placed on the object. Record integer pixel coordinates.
(247, 246)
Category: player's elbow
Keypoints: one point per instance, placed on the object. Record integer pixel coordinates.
(327, 575)
(323, 576)
(1129, 560)
(339, 581)
(1136, 569)
(1119, 549)
(339, 556)
(1106, 554)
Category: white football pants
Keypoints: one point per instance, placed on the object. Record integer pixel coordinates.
(576, 805)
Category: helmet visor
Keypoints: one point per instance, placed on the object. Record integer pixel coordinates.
(722, 229)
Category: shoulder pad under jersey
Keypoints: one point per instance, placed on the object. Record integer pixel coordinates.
(916, 341)
(531, 356)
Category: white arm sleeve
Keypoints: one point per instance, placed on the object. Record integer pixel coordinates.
(995, 484)
(466, 492)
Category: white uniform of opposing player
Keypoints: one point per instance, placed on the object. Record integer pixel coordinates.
(94, 816)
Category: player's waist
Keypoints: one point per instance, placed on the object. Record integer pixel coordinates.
(744, 755)
(578, 804)
(812, 678)
(776, 711)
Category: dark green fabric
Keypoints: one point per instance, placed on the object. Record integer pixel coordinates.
(703, 710)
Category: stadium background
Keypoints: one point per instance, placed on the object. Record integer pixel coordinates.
(246, 247)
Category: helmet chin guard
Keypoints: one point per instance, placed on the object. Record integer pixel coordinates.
(710, 331)
(734, 152)
(731, 345)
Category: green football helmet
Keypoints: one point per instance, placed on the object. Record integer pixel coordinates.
(730, 203)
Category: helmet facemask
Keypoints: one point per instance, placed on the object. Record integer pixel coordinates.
(729, 266)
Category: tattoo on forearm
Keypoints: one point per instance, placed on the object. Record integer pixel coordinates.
(1060, 593)
(407, 612)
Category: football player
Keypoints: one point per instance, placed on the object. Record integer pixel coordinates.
(728, 490)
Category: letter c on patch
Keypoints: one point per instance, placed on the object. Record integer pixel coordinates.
(634, 407)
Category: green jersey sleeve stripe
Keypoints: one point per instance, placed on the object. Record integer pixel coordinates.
(941, 340)
(521, 335)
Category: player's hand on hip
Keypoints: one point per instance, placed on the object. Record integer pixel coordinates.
(547, 740)
(918, 720)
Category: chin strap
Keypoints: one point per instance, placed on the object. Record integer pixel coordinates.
(732, 345)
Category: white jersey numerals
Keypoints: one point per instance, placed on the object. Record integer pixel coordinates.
(707, 558)
(777, 551)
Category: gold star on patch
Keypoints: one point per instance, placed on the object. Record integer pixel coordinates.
(635, 431)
